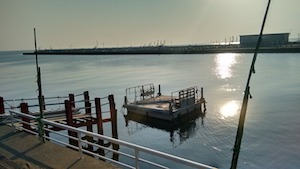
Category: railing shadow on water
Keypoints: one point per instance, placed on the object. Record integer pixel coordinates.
(180, 129)
(136, 155)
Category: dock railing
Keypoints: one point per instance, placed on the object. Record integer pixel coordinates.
(139, 93)
(186, 96)
(18, 120)
(52, 102)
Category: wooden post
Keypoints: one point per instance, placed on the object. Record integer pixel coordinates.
(2, 109)
(99, 124)
(69, 117)
(202, 101)
(89, 126)
(125, 100)
(113, 114)
(24, 109)
(72, 100)
(142, 94)
(159, 92)
(87, 103)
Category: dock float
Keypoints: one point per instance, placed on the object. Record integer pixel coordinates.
(143, 101)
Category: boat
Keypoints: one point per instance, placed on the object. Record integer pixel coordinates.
(142, 100)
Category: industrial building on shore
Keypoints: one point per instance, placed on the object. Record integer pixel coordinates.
(268, 40)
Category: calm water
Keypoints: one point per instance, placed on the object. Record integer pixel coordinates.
(271, 136)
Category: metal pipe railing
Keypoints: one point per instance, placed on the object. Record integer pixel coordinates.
(137, 149)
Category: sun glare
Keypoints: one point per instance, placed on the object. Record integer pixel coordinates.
(224, 63)
(230, 109)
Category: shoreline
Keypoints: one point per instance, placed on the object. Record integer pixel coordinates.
(196, 49)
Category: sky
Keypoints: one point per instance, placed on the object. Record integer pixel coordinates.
(64, 24)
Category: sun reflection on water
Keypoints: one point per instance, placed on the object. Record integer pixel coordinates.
(230, 109)
(224, 63)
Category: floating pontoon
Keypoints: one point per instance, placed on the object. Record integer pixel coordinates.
(143, 101)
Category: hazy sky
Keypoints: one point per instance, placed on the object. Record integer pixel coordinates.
(84, 23)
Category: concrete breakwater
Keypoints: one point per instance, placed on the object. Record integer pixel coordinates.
(189, 49)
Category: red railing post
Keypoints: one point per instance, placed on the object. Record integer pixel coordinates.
(72, 100)
(69, 117)
(99, 123)
(89, 126)
(113, 115)
(87, 103)
(24, 109)
(2, 109)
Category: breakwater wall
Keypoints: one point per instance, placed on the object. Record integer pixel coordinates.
(189, 49)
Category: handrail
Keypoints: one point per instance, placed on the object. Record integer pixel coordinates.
(137, 148)
(176, 94)
(139, 91)
(130, 88)
(192, 87)
(8, 102)
(36, 98)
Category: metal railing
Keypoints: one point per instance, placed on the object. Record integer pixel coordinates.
(141, 92)
(17, 117)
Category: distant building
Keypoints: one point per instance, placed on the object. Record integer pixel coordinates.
(267, 40)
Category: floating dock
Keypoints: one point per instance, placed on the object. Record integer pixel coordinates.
(142, 101)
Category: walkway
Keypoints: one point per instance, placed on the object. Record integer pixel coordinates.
(22, 150)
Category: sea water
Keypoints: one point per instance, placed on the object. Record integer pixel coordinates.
(271, 135)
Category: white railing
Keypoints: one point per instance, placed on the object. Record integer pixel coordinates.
(16, 118)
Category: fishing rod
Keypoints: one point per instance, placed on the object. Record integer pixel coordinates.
(39, 83)
(240, 130)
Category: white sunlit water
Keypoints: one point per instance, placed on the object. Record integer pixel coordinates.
(271, 137)
(230, 109)
(224, 64)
